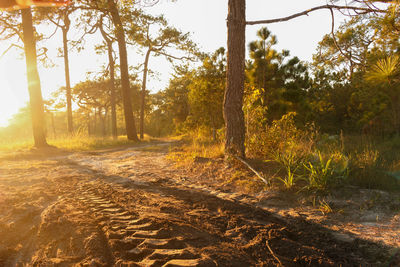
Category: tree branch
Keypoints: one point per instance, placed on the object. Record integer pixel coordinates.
(362, 10)
(9, 48)
(171, 56)
(334, 37)
(57, 23)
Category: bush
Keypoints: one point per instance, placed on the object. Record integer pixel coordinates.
(370, 170)
(319, 162)
(281, 137)
(326, 171)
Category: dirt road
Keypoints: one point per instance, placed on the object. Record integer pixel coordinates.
(129, 207)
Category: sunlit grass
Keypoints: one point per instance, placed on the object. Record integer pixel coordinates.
(71, 143)
(84, 143)
(189, 152)
(13, 145)
(197, 144)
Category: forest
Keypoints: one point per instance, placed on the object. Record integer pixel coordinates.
(263, 119)
(341, 109)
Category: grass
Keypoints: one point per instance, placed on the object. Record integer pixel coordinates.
(84, 143)
(201, 156)
(324, 207)
(322, 173)
(305, 160)
(313, 161)
(13, 145)
(294, 161)
(195, 146)
(290, 164)
(71, 143)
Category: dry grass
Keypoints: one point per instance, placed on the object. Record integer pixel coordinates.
(196, 145)
(71, 143)
(189, 152)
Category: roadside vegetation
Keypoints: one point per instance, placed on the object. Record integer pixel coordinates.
(304, 160)
(310, 127)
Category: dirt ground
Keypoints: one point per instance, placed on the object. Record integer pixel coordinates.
(132, 207)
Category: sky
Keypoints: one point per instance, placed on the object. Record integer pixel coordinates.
(204, 19)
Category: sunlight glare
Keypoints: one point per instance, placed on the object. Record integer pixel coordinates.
(13, 93)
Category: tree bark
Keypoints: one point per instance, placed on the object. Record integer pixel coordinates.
(104, 123)
(35, 92)
(65, 30)
(123, 57)
(112, 95)
(112, 82)
(95, 122)
(88, 124)
(53, 125)
(143, 96)
(233, 101)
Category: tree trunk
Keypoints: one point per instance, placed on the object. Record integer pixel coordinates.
(95, 122)
(88, 124)
(112, 94)
(394, 104)
(104, 122)
(233, 101)
(65, 30)
(143, 96)
(123, 57)
(53, 125)
(112, 83)
(35, 92)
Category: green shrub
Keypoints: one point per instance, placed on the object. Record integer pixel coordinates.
(290, 163)
(325, 172)
(281, 137)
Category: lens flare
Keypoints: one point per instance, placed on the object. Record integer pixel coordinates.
(17, 4)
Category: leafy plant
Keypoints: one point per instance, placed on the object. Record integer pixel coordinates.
(291, 163)
(385, 70)
(323, 173)
(324, 207)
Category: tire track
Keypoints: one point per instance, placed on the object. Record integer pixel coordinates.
(136, 240)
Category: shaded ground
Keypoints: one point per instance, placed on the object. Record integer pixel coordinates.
(130, 207)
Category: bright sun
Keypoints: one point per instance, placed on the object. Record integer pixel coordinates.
(13, 92)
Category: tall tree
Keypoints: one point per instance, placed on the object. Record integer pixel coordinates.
(168, 42)
(233, 101)
(94, 95)
(35, 92)
(61, 18)
(123, 57)
(262, 54)
(117, 11)
(34, 87)
(111, 65)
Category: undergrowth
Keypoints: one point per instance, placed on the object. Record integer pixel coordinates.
(303, 159)
(197, 145)
(312, 161)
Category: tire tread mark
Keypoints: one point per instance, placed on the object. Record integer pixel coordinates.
(136, 241)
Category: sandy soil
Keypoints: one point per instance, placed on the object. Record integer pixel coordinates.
(132, 207)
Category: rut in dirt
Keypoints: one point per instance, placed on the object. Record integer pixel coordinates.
(102, 216)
